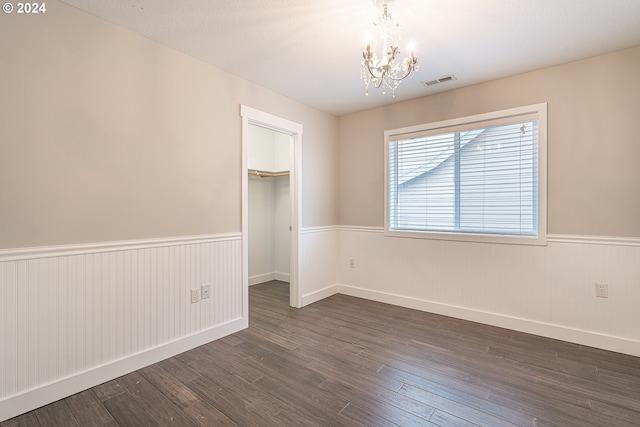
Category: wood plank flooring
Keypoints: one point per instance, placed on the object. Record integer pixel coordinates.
(345, 361)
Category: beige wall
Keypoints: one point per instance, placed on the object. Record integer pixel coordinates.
(106, 135)
(593, 142)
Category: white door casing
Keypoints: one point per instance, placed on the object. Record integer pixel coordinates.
(294, 130)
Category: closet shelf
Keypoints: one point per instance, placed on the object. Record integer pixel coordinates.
(262, 174)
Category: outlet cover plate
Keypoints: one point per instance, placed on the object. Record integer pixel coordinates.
(602, 290)
(205, 291)
(195, 295)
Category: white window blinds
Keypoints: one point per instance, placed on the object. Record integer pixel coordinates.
(476, 178)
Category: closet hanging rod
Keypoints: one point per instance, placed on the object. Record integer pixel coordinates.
(268, 174)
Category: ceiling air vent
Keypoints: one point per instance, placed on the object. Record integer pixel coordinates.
(439, 80)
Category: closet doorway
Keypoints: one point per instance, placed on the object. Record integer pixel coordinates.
(269, 205)
(270, 201)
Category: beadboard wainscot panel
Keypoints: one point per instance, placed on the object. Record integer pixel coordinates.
(318, 251)
(76, 316)
(543, 290)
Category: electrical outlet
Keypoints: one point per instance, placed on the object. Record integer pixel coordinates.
(602, 290)
(195, 295)
(205, 289)
(352, 263)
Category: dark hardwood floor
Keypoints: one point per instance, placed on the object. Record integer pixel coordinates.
(348, 361)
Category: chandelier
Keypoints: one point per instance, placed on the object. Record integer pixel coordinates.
(379, 60)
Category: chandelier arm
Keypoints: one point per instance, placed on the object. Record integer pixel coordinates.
(389, 76)
(378, 79)
(399, 78)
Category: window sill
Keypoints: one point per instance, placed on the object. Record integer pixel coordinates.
(540, 240)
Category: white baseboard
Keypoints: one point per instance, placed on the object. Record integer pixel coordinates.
(320, 294)
(261, 278)
(43, 395)
(267, 277)
(283, 277)
(577, 336)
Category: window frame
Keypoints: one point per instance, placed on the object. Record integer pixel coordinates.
(452, 125)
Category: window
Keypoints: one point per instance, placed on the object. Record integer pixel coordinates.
(479, 178)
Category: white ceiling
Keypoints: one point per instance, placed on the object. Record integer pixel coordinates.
(310, 50)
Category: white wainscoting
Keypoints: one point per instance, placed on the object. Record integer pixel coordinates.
(75, 316)
(544, 290)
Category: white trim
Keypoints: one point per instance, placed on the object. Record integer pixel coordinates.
(43, 395)
(91, 248)
(591, 339)
(283, 277)
(551, 238)
(244, 222)
(470, 237)
(323, 229)
(320, 294)
(594, 240)
(354, 228)
(295, 186)
(492, 116)
(357, 229)
(261, 278)
(270, 121)
(268, 277)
